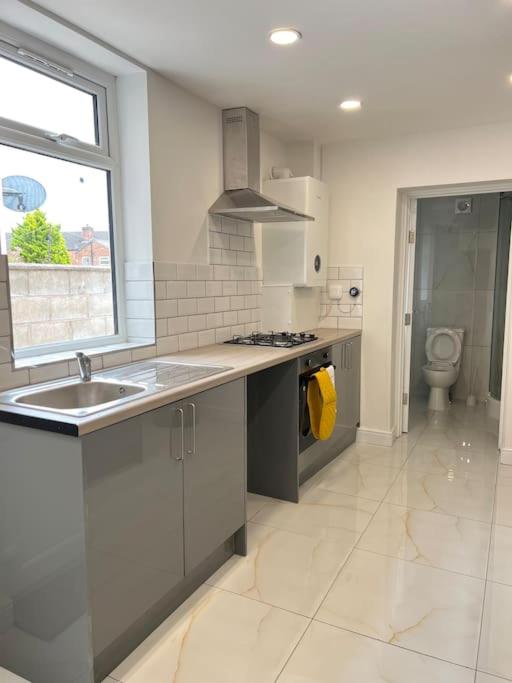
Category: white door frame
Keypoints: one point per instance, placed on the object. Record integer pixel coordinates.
(406, 215)
(408, 302)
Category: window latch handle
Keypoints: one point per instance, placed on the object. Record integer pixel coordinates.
(62, 138)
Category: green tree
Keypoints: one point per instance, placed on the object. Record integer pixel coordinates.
(36, 240)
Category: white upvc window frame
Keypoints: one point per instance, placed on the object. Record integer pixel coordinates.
(39, 56)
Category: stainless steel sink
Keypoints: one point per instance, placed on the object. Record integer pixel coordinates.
(110, 388)
(80, 395)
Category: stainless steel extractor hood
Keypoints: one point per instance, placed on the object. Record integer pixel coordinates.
(241, 199)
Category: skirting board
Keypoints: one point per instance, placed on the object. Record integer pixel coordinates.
(375, 437)
(506, 456)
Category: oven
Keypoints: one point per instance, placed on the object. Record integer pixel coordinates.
(308, 365)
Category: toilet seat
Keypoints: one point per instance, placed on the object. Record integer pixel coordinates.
(443, 346)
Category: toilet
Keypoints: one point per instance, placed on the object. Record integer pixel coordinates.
(443, 348)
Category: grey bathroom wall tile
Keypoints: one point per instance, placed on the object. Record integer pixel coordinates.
(454, 260)
(453, 309)
(422, 314)
(439, 212)
(424, 261)
(482, 320)
(463, 383)
(433, 212)
(489, 207)
(486, 260)
(481, 363)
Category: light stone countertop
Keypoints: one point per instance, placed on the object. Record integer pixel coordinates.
(242, 361)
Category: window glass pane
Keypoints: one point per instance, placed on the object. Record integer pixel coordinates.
(35, 99)
(55, 229)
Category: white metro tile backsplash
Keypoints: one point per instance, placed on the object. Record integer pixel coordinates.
(212, 302)
(348, 311)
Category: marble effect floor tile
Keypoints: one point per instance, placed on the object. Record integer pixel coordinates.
(8, 677)
(500, 560)
(330, 655)
(217, 637)
(288, 570)
(255, 503)
(394, 456)
(503, 511)
(449, 494)
(451, 461)
(320, 514)
(487, 678)
(437, 540)
(362, 480)
(420, 608)
(495, 653)
(467, 438)
(505, 475)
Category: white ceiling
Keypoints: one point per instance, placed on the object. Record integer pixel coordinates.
(418, 65)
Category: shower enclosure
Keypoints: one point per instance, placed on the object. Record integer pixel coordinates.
(500, 295)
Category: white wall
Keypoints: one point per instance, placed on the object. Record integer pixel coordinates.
(305, 158)
(272, 153)
(132, 107)
(363, 179)
(186, 170)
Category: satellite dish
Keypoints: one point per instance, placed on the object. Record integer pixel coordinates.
(20, 193)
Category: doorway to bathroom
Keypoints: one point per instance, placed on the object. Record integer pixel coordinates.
(454, 341)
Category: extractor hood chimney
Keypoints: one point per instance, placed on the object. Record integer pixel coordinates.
(241, 199)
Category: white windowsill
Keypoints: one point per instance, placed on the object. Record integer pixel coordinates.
(49, 358)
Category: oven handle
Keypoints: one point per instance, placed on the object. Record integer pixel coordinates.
(311, 371)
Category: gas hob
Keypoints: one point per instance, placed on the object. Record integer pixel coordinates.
(278, 339)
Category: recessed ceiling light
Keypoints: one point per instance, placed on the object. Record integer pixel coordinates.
(285, 36)
(350, 105)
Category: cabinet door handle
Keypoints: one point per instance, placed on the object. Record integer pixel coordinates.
(182, 427)
(193, 450)
(350, 357)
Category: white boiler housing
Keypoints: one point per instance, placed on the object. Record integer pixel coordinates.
(289, 250)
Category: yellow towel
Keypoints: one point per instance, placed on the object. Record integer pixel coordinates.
(322, 404)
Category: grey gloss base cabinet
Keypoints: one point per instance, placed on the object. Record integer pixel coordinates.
(275, 465)
(102, 537)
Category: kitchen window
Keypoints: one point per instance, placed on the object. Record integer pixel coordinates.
(59, 177)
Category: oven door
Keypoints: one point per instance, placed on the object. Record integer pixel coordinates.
(306, 438)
